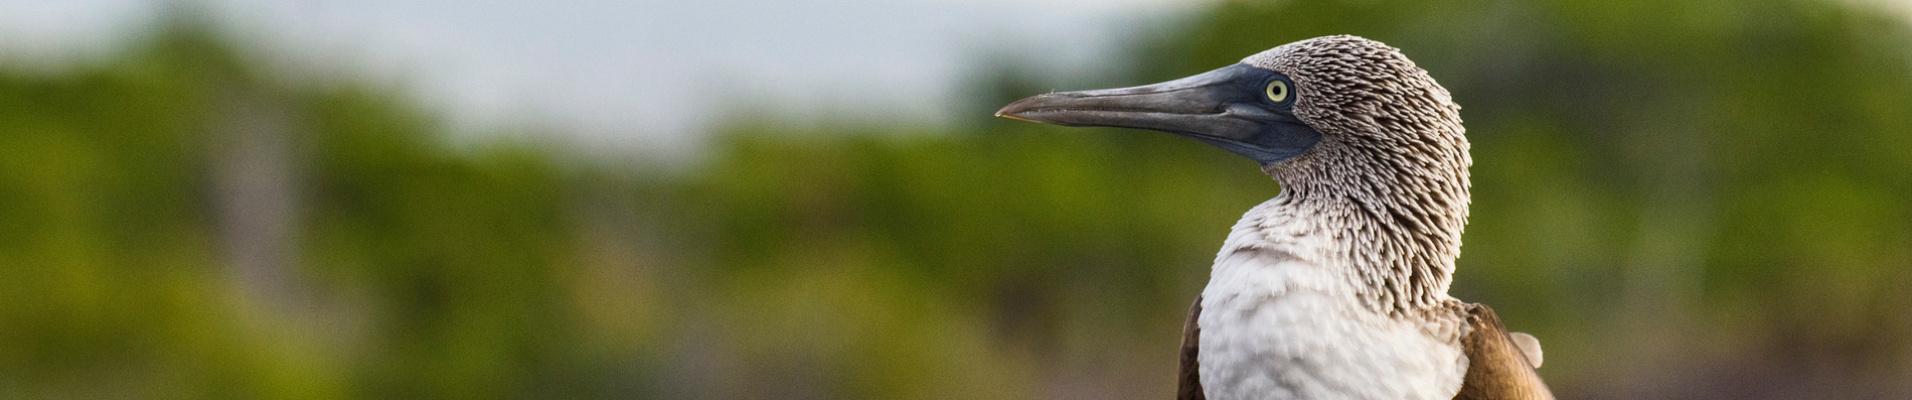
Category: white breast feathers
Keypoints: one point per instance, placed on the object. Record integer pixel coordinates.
(1281, 319)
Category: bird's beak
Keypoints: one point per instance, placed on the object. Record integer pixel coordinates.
(1222, 107)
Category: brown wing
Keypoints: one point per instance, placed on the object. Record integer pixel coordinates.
(1191, 382)
(1496, 369)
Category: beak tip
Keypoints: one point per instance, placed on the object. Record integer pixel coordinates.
(1015, 115)
(1019, 118)
(1013, 111)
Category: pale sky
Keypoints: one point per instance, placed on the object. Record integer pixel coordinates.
(643, 77)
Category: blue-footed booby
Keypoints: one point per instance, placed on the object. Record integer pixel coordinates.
(1337, 287)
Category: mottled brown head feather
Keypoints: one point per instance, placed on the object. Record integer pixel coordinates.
(1391, 168)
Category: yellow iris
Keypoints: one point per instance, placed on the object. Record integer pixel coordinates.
(1278, 91)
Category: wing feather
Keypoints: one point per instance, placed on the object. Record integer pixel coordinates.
(1191, 380)
(1497, 367)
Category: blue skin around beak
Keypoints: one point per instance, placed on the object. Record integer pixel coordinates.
(1233, 108)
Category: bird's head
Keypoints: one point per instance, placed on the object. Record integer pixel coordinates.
(1351, 128)
(1279, 104)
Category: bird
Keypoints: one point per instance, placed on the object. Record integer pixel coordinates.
(1337, 288)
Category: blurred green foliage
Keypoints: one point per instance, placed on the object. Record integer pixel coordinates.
(1702, 199)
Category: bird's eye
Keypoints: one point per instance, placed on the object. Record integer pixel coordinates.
(1278, 90)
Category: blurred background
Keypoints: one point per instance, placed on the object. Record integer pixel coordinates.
(762, 199)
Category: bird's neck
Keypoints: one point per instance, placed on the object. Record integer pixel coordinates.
(1394, 219)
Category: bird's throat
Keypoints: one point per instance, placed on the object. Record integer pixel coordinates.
(1396, 231)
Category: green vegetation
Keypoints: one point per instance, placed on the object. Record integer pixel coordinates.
(1702, 199)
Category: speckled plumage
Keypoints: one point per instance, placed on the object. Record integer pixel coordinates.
(1390, 174)
(1337, 288)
